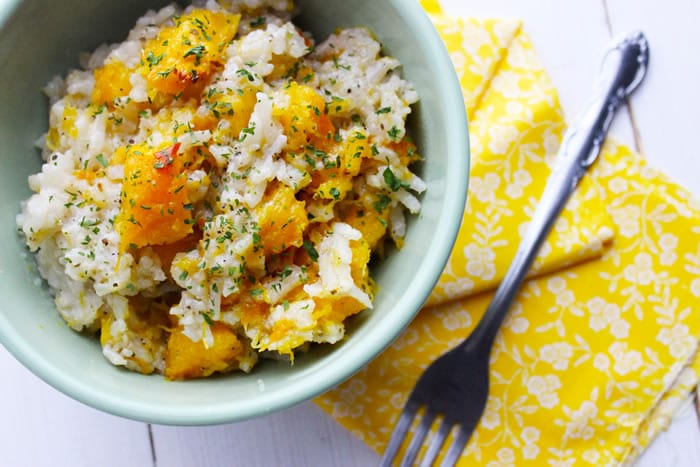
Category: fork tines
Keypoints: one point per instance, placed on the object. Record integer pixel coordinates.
(404, 424)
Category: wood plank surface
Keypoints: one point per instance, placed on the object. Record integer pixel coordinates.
(42, 427)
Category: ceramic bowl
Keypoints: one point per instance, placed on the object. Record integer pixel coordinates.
(42, 38)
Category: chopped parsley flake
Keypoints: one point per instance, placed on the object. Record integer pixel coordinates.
(394, 133)
(392, 181)
(247, 74)
(247, 131)
(153, 59)
(197, 51)
(286, 272)
(207, 317)
(311, 251)
(259, 21)
(99, 110)
(382, 202)
(101, 159)
(338, 65)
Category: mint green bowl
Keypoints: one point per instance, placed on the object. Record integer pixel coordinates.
(41, 38)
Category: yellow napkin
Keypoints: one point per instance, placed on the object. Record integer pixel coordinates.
(601, 348)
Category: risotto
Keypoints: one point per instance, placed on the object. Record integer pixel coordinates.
(214, 187)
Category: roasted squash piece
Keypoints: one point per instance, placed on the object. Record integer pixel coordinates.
(155, 209)
(304, 120)
(185, 55)
(282, 219)
(186, 359)
(111, 82)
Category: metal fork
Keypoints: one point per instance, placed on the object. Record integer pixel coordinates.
(455, 387)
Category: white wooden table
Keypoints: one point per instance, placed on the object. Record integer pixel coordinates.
(41, 427)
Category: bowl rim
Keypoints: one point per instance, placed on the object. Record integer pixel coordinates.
(329, 375)
(6, 9)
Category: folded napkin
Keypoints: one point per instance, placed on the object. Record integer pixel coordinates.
(600, 348)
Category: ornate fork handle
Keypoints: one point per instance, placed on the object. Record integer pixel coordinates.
(622, 70)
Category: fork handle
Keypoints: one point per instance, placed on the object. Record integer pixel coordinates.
(624, 67)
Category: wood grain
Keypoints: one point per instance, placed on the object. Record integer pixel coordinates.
(42, 427)
(300, 436)
(666, 106)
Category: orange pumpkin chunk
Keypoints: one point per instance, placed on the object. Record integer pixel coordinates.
(155, 209)
(282, 219)
(335, 310)
(365, 218)
(232, 106)
(111, 82)
(305, 120)
(186, 359)
(188, 52)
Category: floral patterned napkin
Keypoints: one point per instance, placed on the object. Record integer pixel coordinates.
(600, 348)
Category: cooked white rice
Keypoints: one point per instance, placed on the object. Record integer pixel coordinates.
(102, 284)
